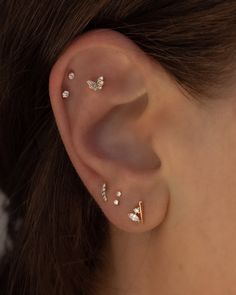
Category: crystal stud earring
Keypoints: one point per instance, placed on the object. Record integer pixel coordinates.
(65, 94)
(96, 85)
(104, 192)
(117, 201)
(138, 213)
(71, 76)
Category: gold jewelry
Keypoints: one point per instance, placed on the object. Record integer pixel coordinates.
(104, 192)
(96, 85)
(138, 213)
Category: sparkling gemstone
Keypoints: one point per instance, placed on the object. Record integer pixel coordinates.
(118, 194)
(116, 202)
(137, 210)
(71, 76)
(134, 217)
(65, 94)
(92, 85)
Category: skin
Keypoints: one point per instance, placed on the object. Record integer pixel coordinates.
(192, 251)
(188, 241)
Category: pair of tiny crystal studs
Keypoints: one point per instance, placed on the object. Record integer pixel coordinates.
(98, 85)
(137, 215)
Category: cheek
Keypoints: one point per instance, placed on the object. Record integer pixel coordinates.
(195, 152)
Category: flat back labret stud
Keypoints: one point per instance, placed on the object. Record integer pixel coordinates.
(104, 192)
(138, 213)
(65, 94)
(71, 76)
(96, 85)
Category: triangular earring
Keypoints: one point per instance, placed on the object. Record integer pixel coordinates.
(138, 213)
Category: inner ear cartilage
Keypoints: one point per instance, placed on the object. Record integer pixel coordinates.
(117, 201)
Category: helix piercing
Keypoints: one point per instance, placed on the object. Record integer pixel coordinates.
(65, 94)
(96, 85)
(71, 76)
(104, 192)
(117, 201)
(138, 213)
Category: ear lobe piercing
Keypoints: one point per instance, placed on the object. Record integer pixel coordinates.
(96, 85)
(117, 201)
(104, 192)
(138, 213)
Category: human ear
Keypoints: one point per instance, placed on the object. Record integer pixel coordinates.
(107, 128)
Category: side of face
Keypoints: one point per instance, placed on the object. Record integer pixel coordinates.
(142, 134)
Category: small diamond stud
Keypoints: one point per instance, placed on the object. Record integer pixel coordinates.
(71, 76)
(118, 194)
(65, 94)
(116, 202)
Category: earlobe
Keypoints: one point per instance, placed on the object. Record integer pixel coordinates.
(100, 101)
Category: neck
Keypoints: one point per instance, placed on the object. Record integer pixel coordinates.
(191, 255)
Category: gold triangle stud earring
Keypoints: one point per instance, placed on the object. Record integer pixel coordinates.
(138, 213)
(98, 85)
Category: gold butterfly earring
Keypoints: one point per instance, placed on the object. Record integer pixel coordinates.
(96, 85)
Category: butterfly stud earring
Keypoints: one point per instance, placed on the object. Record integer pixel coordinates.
(96, 85)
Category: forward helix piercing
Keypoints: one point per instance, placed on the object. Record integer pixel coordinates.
(65, 94)
(71, 76)
(98, 85)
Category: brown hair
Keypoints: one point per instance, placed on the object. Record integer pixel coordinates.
(58, 247)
